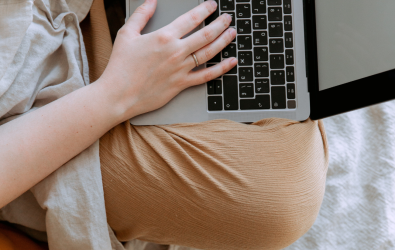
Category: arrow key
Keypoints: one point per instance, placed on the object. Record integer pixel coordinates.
(215, 103)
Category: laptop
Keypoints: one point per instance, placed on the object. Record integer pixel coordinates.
(297, 59)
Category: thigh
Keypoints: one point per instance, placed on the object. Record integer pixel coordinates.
(214, 185)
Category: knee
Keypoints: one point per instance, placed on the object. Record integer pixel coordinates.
(286, 214)
(279, 213)
(283, 197)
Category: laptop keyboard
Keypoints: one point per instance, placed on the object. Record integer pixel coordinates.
(264, 77)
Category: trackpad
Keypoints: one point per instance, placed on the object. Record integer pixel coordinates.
(166, 12)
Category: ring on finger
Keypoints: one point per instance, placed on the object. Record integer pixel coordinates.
(196, 60)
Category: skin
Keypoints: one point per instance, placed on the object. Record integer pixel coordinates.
(144, 73)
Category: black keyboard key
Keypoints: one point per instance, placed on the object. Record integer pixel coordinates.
(212, 17)
(262, 86)
(289, 56)
(243, 26)
(276, 30)
(246, 74)
(244, 42)
(218, 88)
(277, 77)
(261, 54)
(278, 98)
(244, 1)
(229, 51)
(277, 61)
(211, 87)
(260, 37)
(259, 22)
(243, 10)
(290, 74)
(231, 98)
(232, 14)
(216, 58)
(274, 2)
(291, 91)
(287, 7)
(288, 23)
(261, 69)
(260, 102)
(275, 14)
(289, 40)
(276, 45)
(245, 58)
(292, 104)
(215, 103)
(232, 71)
(246, 90)
(259, 6)
(227, 5)
(214, 87)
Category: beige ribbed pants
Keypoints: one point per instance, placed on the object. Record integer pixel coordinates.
(211, 185)
(215, 185)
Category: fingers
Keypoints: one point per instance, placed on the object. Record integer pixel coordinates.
(141, 16)
(207, 34)
(208, 74)
(190, 20)
(206, 53)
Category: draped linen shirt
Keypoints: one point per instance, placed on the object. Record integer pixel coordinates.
(42, 58)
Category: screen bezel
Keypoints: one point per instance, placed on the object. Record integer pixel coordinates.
(346, 97)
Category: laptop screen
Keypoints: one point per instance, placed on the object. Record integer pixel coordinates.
(355, 39)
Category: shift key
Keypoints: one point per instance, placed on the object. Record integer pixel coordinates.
(231, 95)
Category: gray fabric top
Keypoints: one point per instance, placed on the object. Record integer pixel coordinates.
(42, 58)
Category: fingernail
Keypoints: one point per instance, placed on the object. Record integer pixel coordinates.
(229, 17)
(232, 31)
(213, 3)
(234, 61)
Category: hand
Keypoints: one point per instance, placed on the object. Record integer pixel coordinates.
(146, 71)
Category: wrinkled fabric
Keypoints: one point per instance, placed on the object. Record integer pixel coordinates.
(42, 58)
(358, 210)
(217, 185)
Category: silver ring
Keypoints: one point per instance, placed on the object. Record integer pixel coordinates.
(196, 60)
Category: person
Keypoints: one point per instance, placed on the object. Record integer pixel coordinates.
(212, 185)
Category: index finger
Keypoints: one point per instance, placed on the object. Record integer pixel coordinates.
(141, 16)
(190, 20)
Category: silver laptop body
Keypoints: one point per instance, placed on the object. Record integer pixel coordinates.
(191, 105)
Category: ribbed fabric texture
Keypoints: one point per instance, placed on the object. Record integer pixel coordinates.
(215, 185)
(97, 39)
(211, 185)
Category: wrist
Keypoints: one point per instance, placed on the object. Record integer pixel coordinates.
(117, 105)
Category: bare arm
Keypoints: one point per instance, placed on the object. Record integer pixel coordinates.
(35, 145)
(144, 73)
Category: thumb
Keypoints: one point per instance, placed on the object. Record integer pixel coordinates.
(141, 16)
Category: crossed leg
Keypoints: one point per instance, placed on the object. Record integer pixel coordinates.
(215, 185)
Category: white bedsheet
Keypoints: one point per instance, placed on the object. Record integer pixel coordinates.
(358, 211)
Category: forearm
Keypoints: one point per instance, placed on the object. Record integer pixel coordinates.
(144, 73)
(36, 144)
